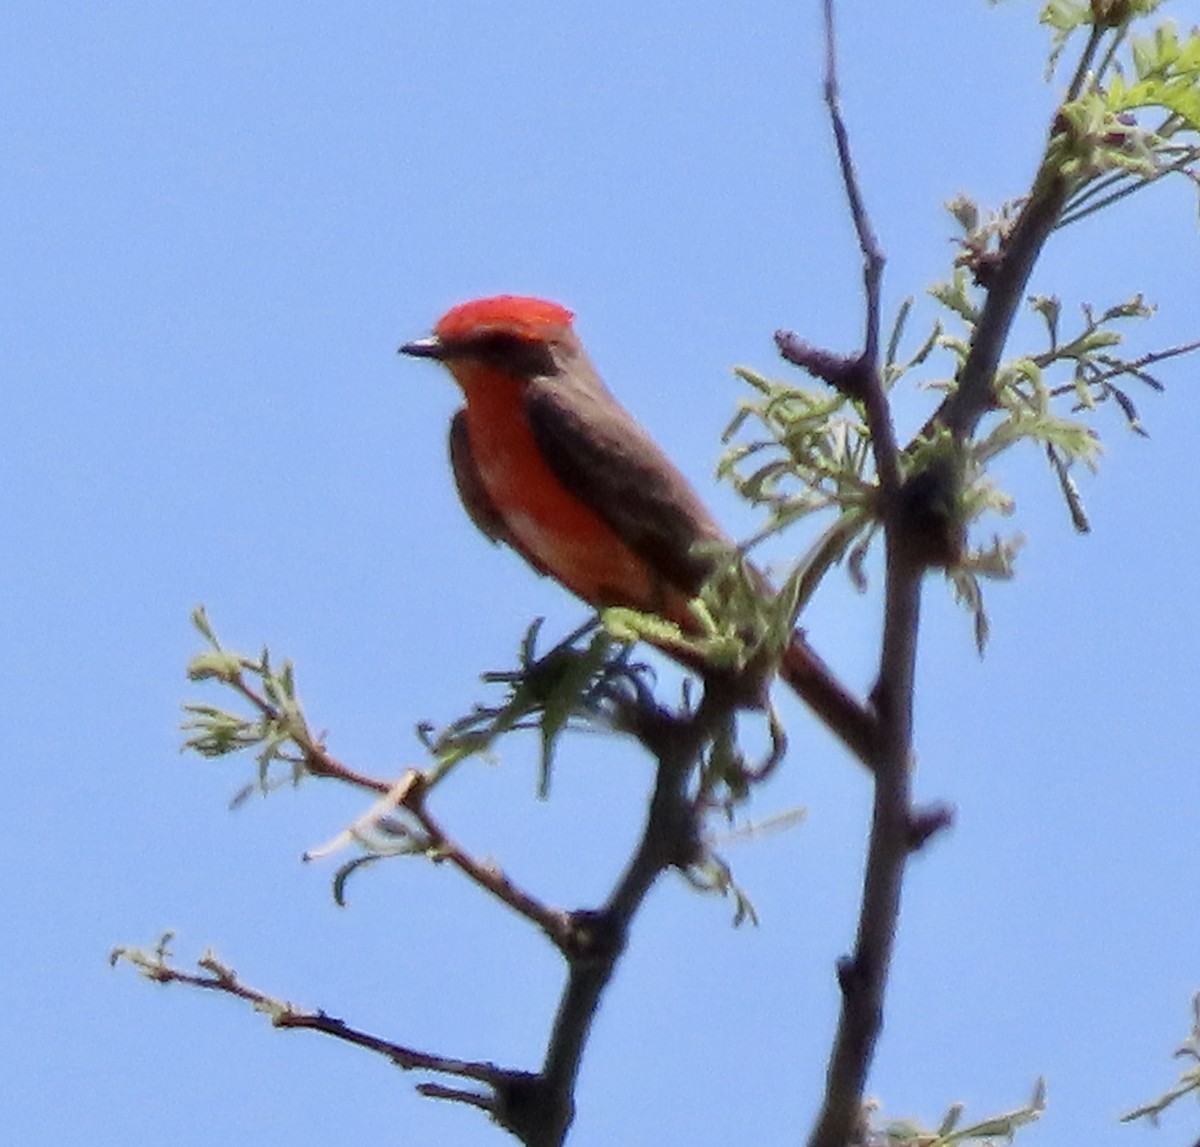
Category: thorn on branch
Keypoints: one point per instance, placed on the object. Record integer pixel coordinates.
(456, 1095)
(849, 976)
(926, 823)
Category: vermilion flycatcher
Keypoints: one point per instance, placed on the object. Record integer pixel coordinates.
(547, 461)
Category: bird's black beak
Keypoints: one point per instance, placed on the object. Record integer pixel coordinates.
(432, 347)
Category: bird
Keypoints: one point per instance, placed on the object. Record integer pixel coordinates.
(548, 462)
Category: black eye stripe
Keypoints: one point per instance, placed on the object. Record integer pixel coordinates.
(510, 353)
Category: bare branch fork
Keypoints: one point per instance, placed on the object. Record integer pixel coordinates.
(213, 975)
(536, 1107)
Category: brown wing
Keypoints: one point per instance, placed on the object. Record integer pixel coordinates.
(475, 499)
(603, 456)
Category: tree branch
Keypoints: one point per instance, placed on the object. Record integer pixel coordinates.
(962, 409)
(863, 975)
(216, 976)
(410, 793)
(555, 923)
(537, 1108)
(670, 839)
(972, 398)
(869, 385)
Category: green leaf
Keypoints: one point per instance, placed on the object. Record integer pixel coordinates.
(216, 665)
(201, 622)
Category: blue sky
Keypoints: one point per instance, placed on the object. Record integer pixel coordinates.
(220, 220)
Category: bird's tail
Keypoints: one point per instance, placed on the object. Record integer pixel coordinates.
(815, 684)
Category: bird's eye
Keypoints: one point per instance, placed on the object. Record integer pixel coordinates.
(513, 354)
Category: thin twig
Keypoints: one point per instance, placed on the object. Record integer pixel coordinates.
(410, 793)
(555, 923)
(869, 388)
(1084, 67)
(1135, 367)
(318, 762)
(214, 976)
(1088, 204)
